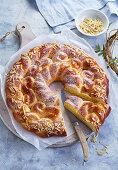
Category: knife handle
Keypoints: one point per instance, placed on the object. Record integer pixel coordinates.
(83, 141)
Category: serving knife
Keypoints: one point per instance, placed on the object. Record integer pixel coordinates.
(78, 130)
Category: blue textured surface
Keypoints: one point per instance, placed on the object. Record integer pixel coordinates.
(15, 154)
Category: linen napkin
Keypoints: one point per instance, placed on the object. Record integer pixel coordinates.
(59, 13)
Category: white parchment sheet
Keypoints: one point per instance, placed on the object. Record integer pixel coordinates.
(68, 37)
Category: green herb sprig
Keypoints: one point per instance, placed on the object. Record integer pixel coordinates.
(99, 50)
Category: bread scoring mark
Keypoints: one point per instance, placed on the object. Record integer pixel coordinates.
(33, 71)
(38, 86)
(28, 81)
(60, 57)
(76, 63)
(88, 74)
(51, 99)
(54, 68)
(46, 74)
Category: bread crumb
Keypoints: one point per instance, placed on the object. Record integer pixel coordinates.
(94, 139)
(93, 146)
(103, 151)
(99, 151)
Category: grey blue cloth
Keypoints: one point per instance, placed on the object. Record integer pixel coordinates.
(62, 12)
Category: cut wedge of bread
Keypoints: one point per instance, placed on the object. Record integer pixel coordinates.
(92, 114)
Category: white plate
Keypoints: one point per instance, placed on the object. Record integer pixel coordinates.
(92, 13)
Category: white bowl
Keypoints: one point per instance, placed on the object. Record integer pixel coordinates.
(92, 13)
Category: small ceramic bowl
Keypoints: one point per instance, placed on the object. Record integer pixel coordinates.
(94, 14)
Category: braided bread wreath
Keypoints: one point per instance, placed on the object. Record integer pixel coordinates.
(37, 108)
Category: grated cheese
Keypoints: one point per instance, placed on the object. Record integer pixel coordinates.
(92, 26)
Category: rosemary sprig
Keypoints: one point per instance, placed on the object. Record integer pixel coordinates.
(113, 61)
(99, 50)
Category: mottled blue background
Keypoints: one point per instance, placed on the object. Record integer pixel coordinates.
(16, 154)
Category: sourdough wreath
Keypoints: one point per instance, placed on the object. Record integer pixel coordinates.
(37, 108)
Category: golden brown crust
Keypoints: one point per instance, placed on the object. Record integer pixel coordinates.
(30, 98)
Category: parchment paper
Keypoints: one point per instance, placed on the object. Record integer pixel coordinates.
(68, 37)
